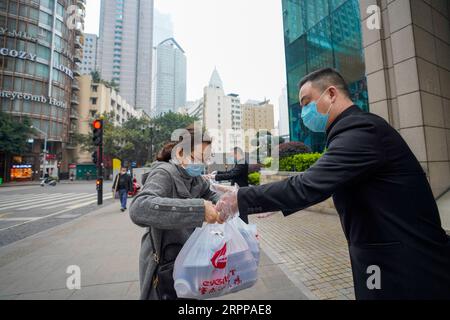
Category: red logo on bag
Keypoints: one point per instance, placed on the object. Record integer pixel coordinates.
(219, 260)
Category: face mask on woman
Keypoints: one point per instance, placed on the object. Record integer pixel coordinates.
(195, 169)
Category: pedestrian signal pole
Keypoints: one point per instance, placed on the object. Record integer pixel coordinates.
(98, 143)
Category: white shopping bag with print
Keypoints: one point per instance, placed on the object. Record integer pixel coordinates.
(215, 261)
(250, 234)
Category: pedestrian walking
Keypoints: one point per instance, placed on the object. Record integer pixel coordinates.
(122, 185)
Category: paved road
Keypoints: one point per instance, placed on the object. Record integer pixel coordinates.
(26, 210)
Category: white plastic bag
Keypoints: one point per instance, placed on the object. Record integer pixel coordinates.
(215, 261)
(250, 234)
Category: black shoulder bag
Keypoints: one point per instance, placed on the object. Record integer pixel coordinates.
(163, 281)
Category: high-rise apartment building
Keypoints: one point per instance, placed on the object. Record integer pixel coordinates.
(125, 48)
(89, 61)
(257, 116)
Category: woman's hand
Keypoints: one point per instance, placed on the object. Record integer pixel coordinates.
(211, 215)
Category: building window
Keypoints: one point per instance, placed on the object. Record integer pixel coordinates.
(94, 101)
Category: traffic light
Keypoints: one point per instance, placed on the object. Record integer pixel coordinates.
(99, 184)
(94, 157)
(98, 133)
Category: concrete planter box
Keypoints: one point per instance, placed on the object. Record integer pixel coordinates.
(324, 207)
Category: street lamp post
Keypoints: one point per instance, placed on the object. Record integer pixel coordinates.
(45, 149)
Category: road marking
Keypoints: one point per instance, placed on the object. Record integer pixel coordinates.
(74, 199)
(68, 216)
(40, 218)
(27, 198)
(43, 200)
(88, 203)
(18, 219)
(52, 202)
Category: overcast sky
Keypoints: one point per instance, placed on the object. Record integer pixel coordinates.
(242, 38)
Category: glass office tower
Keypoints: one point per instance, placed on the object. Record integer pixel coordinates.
(318, 34)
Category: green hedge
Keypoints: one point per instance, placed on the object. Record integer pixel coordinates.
(254, 178)
(299, 162)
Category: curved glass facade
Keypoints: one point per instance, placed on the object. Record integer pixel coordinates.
(40, 46)
(318, 34)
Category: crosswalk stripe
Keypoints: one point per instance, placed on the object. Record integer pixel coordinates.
(76, 201)
(28, 202)
(32, 219)
(9, 200)
(52, 202)
(88, 203)
(17, 219)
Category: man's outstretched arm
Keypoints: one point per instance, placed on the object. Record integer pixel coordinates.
(353, 152)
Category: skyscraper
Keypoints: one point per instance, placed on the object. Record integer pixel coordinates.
(89, 61)
(170, 77)
(125, 48)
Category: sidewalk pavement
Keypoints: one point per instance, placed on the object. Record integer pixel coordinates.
(312, 250)
(105, 245)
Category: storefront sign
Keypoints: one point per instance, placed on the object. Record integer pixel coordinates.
(50, 157)
(13, 95)
(17, 34)
(22, 166)
(17, 54)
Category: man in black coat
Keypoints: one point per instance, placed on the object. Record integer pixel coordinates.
(239, 174)
(397, 247)
(123, 184)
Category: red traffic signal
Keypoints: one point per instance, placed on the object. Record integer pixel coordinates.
(97, 124)
(97, 138)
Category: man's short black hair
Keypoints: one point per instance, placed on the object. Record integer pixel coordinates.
(238, 150)
(324, 78)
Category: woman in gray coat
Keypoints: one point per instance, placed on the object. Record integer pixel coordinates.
(174, 201)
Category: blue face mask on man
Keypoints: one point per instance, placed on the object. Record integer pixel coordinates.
(313, 119)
